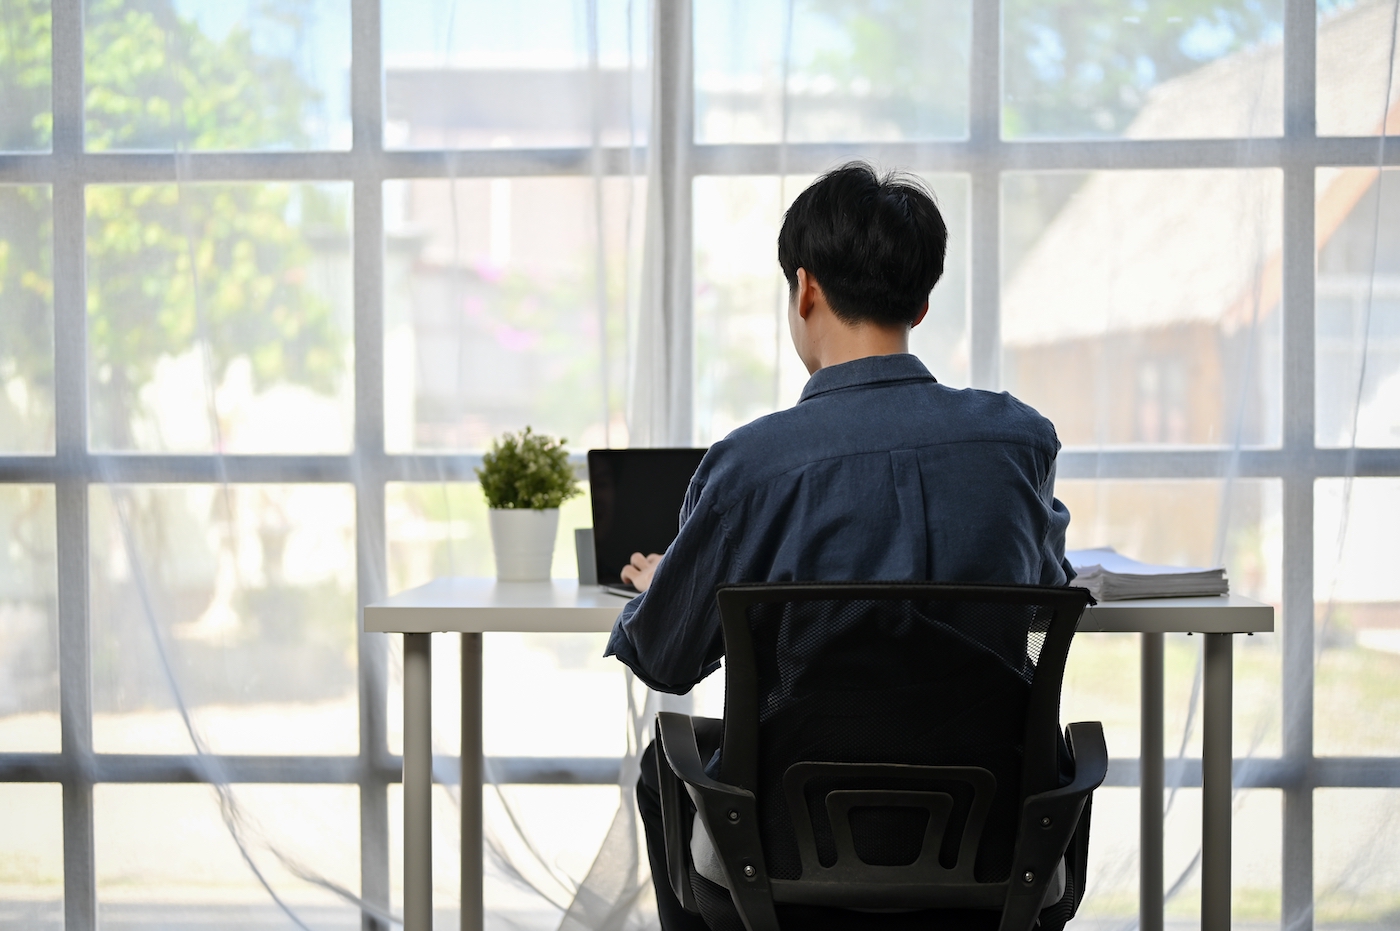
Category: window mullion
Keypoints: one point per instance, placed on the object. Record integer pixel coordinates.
(984, 327)
(70, 403)
(368, 466)
(1299, 437)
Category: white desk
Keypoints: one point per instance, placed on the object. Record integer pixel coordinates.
(475, 606)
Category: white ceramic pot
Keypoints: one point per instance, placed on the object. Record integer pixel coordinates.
(524, 543)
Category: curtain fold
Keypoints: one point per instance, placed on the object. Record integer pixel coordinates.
(660, 407)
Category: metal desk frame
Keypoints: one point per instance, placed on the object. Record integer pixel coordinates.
(475, 606)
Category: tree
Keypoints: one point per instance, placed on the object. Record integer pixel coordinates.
(911, 54)
(1070, 67)
(26, 120)
(26, 318)
(26, 233)
(148, 248)
(1084, 67)
(155, 81)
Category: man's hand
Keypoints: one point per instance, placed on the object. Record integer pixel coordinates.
(640, 571)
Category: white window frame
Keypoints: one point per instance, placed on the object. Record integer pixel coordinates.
(984, 156)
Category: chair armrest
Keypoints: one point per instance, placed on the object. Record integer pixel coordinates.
(682, 752)
(676, 816)
(1048, 822)
(675, 829)
(1090, 753)
(730, 817)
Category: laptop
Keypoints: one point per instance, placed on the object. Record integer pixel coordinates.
(637, 497)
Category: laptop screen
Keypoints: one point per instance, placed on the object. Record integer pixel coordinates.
(637, 497)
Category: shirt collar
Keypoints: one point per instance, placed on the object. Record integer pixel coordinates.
(871, 370)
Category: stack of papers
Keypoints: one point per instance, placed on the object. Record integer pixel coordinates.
(1110, 576)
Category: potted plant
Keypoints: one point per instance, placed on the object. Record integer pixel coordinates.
(525, 477)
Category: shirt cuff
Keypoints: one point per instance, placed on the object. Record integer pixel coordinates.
(621, 646)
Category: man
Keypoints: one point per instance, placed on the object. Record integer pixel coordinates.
(878, 472)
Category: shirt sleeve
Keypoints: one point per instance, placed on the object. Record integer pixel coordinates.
(1055, 567)
(670, 635)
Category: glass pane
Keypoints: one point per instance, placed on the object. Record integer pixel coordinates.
(745, 365)
(1356, 857)
(1111, 894)
(28, 620)
(565, 826)
(26, 318)
(242, 598)
(1111, 898)
(1257, 858)
(505, 306)
(1195, 523)
(31, 856)
(545, 695)
(1355, 68)
(1142, 307)
(1358, 617)
(440, 529)
(1358, 307)
(831, 70)
(1257, 865)
(239, 74)
(248, 352)
(1142, 70)
(166, 855)
(549, 836)
(26, 76)
(470, 74)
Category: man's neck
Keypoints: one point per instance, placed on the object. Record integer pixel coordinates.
(843, 343)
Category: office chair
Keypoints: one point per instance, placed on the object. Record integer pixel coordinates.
(885, 747)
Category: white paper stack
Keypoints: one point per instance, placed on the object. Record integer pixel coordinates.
(1110, 576)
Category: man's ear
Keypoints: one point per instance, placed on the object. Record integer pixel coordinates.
(807, 290)
(920, 318)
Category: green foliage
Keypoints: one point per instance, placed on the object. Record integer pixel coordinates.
(26, 43)
(1071, 67)
(26, 284)
(155, 81)
(1085, 67)
(911, 53)
(172, 266)
(527, 470)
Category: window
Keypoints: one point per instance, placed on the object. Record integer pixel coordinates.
(272, 274)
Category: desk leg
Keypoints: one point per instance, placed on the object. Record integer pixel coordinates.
(417, 782)
(1153, 785)
(472, 917)
(1217, 758)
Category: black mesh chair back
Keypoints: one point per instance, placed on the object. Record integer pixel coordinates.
(881, 741)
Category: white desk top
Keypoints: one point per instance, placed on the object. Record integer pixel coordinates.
(561, 606)
(1213, 614)
(475, 605)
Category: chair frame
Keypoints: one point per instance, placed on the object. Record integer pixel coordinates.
(728, 807)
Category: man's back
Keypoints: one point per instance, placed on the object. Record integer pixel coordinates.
(878, 473)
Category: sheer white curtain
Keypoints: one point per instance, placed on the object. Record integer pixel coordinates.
(273, 275)
(1169, 234)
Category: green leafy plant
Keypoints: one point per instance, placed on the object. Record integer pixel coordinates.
(527, 470)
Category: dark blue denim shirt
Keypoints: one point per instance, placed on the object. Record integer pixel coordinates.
(878, 473)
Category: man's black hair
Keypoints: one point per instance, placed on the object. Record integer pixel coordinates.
(876, 245)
